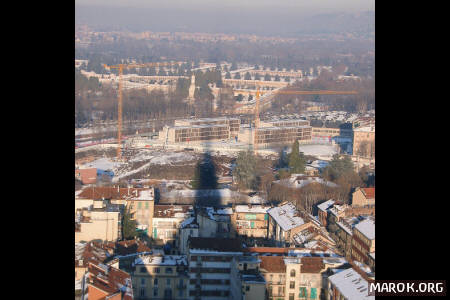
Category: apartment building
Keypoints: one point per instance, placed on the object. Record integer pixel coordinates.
(215, 222)
(322, 211)
(303, 277)
(246, 281)
(106, 282)
(364, 141)
(139, 201)
(363, 197)
(273, 269)
(160, 277)
(348, 284)
(251, 220)
(210, 263)
(285, 224)
(167, 220)
(363, 242)
(100, 221)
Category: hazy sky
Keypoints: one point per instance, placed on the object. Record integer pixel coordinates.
(310, 5)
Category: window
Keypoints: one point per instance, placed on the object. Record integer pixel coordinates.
(142, 292)
(155, 281)
(156, 270)
(247, 288)
(292, 273)
(292, 285)
(291, 296)
(168, 281)
(303, 293)
(146, 205)
(169, 270)
(143, 270)
(313, 293)
(139, 205)
(155, 291)
(180, 293)
(142, 281)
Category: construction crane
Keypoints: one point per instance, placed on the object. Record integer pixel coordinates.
(290, 92)
(120, 68)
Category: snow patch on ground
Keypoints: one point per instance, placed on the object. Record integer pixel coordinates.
(325, 152)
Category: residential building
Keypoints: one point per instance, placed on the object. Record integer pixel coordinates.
(106, 282)
(160, 277)
(364, 141)
(167, 220)
(139, 201)
(273, 269)
(92, 251)
(101, 221)
(215, 222)
(188, 228)
(303, 277)
(363, 242)
(322, 210)
(251, 220)
(246, 281)
(285, 223)
(363, 197)
(210, 262)
(348, 284)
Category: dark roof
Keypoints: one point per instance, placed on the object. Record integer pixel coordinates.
(273, 264)
(311, 265)
(131, 247)
(215, 244)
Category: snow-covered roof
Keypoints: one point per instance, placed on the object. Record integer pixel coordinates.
(257, 209)
(224, 193)
(367, 228)
(325, 205)
(293, 182)
(365, 129)
(284, 216)
(187, 222)
(351, 285)
(165, 260)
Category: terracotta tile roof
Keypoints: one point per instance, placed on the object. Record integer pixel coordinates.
(97, 193)
(110, 280)
(273, 264)
(274, 250)
(131, 247)
(215, 244)
(92, 251)
(87, 176)
(369, 192)
(311, 265)
(169, 211)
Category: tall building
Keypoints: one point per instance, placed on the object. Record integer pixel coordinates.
(192, 88)
(160, 277)
(210, 263)
(363, 242)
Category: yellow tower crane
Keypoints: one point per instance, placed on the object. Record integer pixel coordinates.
(120, 68)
